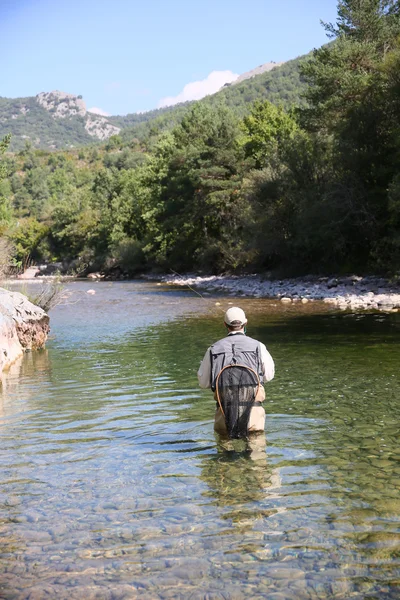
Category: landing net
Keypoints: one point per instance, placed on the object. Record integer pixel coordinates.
(237, 387)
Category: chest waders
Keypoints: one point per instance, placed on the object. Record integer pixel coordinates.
(236, 377)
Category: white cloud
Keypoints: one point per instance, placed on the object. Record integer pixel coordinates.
(98, 111)
(198, 89)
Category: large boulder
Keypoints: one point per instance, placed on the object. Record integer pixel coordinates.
(10, 347)
(23, 326)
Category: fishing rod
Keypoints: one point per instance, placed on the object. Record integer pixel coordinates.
(208, 300)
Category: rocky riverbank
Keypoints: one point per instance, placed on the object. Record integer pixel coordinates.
(352, 292)
(23, 326)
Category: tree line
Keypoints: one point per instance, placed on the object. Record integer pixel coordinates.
(314, 188)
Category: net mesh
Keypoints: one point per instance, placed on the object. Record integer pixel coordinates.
(237, 387)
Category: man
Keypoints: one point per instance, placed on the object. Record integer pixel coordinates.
(222, 353)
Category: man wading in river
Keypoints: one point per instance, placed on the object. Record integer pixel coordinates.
(235, 368)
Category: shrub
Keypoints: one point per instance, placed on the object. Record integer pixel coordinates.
(51, 294)
(7, 263)
(129, 256)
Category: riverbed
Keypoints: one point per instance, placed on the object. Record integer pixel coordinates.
(115, 486)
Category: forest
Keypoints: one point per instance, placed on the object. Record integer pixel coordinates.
(310, 184)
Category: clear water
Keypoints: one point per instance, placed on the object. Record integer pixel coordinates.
(114, 485)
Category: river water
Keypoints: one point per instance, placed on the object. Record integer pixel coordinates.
(114, 485)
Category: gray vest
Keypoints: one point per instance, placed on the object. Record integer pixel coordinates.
(235, 349)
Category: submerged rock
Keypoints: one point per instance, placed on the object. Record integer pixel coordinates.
(23, 326)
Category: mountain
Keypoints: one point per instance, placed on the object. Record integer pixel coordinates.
(52, 120)
(55, 120)
(257, 71)
(280, 84)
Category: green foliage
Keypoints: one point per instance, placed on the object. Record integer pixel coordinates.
(26, 236)
(226, 185)
(5, 187)
(128, 256)
(115, 141)
(4, 143)
(7, 260)
(196, 178)
(26, 119)
(353, 98)
(266, 127)
(283, 86)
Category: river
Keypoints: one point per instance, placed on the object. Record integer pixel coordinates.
(114, 485)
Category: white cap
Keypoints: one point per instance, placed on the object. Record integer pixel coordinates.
(235, 314)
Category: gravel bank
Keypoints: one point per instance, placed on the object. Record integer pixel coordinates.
(352, 292)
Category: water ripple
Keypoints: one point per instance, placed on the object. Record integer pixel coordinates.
(115, 486)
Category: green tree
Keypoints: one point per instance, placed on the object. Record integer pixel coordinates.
(199, 200)
(265, 128)
(26, 236)
(36, 185)
(5, 204)
(367, 21)
(4, 143)
(349, 101)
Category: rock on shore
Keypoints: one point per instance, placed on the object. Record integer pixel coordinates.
(352, 292)
(23, 326)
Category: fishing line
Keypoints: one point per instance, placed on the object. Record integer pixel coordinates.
(208, 300)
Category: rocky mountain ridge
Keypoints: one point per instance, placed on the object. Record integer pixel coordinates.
(62, 105)
(265, 68)
(52, 120)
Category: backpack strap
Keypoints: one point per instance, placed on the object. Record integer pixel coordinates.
(211, 368)
(234, 359)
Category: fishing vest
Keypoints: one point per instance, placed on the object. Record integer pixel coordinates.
(235, 349)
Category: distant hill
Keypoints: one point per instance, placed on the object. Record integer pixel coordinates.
(281, 84)
(56, 120)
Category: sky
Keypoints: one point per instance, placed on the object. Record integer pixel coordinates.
(126, 56)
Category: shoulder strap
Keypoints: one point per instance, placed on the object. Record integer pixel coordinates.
(234, 359)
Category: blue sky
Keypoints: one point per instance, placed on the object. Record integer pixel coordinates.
(128, 55)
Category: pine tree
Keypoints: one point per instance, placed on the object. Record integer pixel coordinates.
(350, 102)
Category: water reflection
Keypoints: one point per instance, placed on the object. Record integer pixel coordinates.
(239, 478)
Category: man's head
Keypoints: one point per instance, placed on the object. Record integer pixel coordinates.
(235, 319)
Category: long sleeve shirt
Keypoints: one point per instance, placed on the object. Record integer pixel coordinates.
(204, 372)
